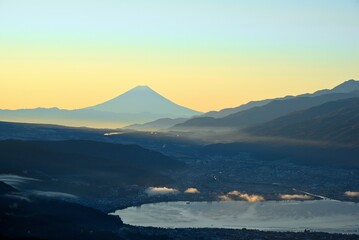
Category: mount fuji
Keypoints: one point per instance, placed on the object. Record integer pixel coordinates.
(142, 99)
(138, 105)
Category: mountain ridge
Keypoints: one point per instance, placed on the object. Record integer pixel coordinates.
(345, 87)
(336, 122)
(274, 109)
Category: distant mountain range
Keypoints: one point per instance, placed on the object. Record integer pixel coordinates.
(209, 119)
(348, 86)
(143, 109)
(336, 121)
(274, 109)
(139, 105)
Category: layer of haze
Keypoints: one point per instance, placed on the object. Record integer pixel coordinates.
(205, 54)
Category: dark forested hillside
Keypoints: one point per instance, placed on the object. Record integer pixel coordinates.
(113, 164)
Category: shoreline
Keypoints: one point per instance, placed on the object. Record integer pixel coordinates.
(319, 229)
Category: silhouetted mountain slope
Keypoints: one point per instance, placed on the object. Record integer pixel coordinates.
(131, 155)
(346, 87)
(5, 188)
(93, 162)
(228, 111)
(266, 113)
(160, 124)
(30, 217)
(33, 131)
(162, 142)
(336, 122)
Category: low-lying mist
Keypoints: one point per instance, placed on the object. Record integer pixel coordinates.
(239, 196)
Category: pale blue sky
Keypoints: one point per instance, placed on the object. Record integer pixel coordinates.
(177, 47)
(225, 20)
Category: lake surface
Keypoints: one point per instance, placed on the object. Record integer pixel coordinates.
(321, 215)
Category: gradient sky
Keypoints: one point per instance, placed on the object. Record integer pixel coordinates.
(203, 54)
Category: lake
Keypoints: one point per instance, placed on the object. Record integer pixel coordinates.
(319, 215)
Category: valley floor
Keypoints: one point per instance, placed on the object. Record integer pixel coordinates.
(213, 172)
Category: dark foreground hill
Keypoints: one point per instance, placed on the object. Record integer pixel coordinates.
(5, 188)
(34, 131)
(92, 162)
(333, 122)
(24, 216)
